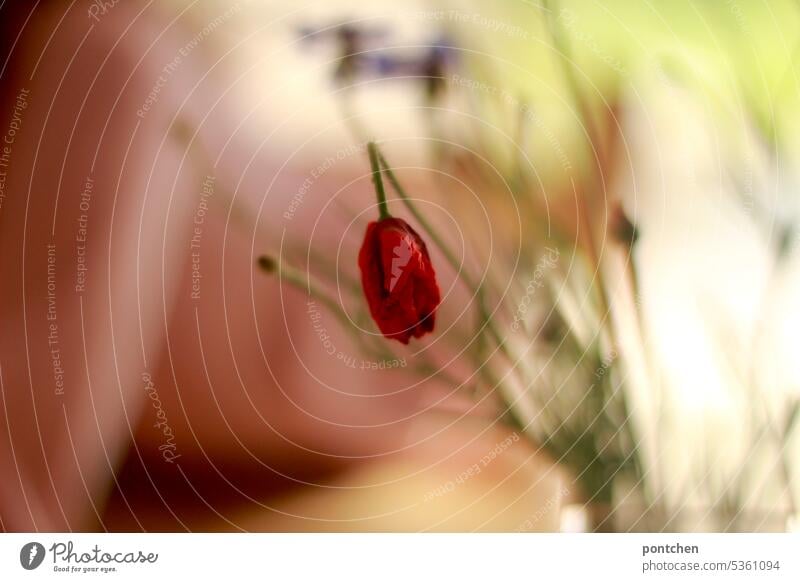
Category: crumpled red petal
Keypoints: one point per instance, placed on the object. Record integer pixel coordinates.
(398, 280)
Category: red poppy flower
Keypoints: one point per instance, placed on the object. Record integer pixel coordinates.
(398, 280)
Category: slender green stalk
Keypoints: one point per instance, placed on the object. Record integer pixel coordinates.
(485, 319)
(473, 287)
(423, 222)
(303, 282)
(561, 46)
(587, 119)
(383, 209)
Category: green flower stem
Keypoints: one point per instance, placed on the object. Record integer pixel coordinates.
(563, 50)
(426, 226)
(562, 47)
(486, 320)
(383, 209)
(303, 282)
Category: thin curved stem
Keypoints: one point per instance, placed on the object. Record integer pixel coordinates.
(383, 209)
(446, 251)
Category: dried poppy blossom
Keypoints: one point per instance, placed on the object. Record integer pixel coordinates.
(396, 273)
(398, 280)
